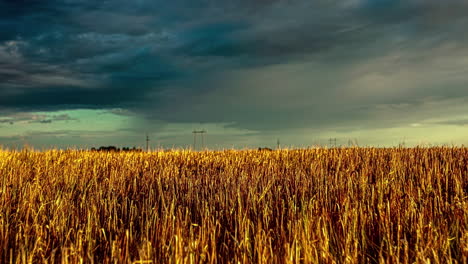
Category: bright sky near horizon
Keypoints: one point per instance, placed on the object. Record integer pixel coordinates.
(82, 73)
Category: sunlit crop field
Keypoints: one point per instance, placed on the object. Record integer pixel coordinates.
(343, 205)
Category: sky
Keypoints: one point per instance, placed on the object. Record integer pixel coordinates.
(85, 73)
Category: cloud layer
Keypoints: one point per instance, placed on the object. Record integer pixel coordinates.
(266, 66)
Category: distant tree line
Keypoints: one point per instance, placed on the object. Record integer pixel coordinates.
(115, 149)
(265, 149)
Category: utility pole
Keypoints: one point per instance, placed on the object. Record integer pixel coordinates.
(278, 144)
(195, 133)
(194, 139)
(332, 140)
(147, 142)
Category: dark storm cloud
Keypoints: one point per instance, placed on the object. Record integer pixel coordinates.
(214, 61)
(372, 53)
(60, 55)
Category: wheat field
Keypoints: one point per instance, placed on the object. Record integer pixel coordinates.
(340, 205)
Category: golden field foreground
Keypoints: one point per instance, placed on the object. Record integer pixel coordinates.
(344, 205)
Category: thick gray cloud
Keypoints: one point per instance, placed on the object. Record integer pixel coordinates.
(456, 122)
(34, 118)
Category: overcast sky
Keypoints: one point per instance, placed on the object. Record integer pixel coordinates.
(85, 73)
